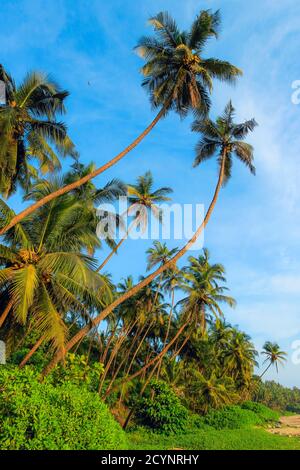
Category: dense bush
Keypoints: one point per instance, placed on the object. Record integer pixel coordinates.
(163, 412)
(265, 413)
(232, 417)
(40, 416)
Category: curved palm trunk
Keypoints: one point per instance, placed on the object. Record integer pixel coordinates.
(5, 313)
(76, 184)
(133, 291)
(31, 352)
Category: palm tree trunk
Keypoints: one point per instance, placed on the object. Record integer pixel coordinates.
(134, 290)
(31, 352)
(76, 184)
(5, 313)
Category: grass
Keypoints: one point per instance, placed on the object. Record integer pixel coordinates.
(234, 439)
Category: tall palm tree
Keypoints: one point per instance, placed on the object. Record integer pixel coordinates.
(177, 77)
(204, 294)
(29, 129)
(142, 199)
(224, 136)
(274, 356)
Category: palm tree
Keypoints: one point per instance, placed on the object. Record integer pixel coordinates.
(29, 129)
(177, 77)
(204, 293)
(211, 392)
(44, 276)
(225, 136)
(141, 199)
(240, 358)
(274, 356)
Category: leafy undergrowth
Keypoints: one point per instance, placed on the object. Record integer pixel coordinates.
(233, 439)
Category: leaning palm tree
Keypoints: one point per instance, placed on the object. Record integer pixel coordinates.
(176, 73)
(29, 129)
(274, 356)
(176, 76)
(224, 136)
(142, 199)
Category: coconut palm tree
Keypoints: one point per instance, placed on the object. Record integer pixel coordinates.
(211, 392)
(224, 136)
(176, 76)
(240, 358)
(44, 276)
(274, 356)
(29, 129)
(142, 199)
(204, 294)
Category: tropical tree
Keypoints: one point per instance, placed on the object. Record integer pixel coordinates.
(212, 392)
(204, 294)
(176, 76)
(274, 356)
(142, 199)
(240, 358)
(45, 277)
(29, 129)
(224, 136)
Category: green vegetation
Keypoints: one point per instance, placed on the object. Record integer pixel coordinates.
(41, 416)
(164, 413)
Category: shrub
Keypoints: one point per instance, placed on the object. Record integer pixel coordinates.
(232, 417)
(265, 413)
(77, 370)
(41, 416)
(163, 413)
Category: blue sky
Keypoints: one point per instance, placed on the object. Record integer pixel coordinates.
(87, 45)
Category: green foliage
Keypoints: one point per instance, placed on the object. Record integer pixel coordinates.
(277, 396)
(163, 412)
(232, 417)
(265, 413)
(41, 416)
(77, 370)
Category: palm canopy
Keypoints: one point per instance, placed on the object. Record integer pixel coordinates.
(83, 201)
(44, 274)
(273, 354)
(203, 289)
(159, 254)
(240, 357)
(177, 75)
(29, 129)
(225, 138)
